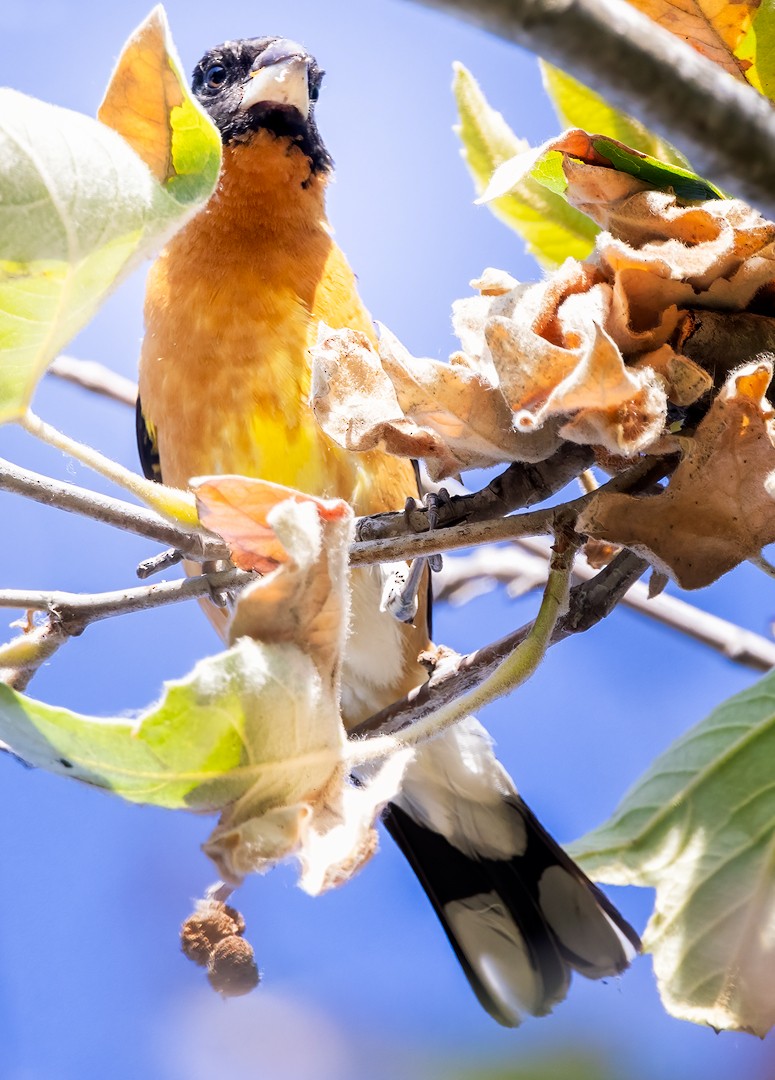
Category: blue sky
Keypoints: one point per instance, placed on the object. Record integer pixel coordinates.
(360, 982)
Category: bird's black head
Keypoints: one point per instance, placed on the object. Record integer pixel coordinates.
(268, 84)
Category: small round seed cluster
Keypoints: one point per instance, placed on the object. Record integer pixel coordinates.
(212, 937)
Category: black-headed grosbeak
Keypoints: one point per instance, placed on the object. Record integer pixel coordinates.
(233, 305)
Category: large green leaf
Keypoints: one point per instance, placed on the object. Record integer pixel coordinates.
(699, 827)
(211, 738)
(579, 107)
(552, 230)
(79, 207)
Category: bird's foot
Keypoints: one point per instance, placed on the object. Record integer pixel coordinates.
(400, 596)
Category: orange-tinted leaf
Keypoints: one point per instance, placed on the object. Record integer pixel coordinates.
(148, 103)
(715, 28)
(306, 600)
(143, 90)
(238, 508)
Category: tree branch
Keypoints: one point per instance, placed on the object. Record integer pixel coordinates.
(515, 668)
(22, 657)
(96, 378)
(725, 127)
(74, 611)
(516, 488)
(195, 544)
(523, 566)
(71, 613)
(400, 542)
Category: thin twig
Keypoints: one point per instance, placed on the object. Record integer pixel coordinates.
(156, 564)
(404, 543)
(172, 502)
(196, 544)
(95, 377)
(725, 127)
(394, 549)
(763, 564)
(71, 613)
(589, 602)
(22, 657)
(75, 611)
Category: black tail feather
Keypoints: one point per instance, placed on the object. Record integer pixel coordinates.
(538, 922)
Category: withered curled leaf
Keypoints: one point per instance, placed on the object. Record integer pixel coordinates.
(718, 508)
(299, 800)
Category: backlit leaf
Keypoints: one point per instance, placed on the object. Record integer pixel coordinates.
(760, 44)
(579, 107)
(541, 165)
(254, 732)
(79, 208)
(551, 229)
(699, 827)
(715, 28)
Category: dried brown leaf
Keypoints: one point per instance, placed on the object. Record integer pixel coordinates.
(301, 801)
(583, 377)
(448, 414)
(718, 508)
(356, 405)
(685, 381)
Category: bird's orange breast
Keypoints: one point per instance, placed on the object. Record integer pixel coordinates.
(233, 305)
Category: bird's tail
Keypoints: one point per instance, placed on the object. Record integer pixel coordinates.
(519, 913)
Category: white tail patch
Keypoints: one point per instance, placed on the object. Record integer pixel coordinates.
(494, 947)
(581, 925)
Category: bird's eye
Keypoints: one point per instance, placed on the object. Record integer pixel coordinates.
(215, 76)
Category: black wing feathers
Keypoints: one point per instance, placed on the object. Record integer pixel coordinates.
(146, 446)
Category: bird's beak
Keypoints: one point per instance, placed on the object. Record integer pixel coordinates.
(280, 76)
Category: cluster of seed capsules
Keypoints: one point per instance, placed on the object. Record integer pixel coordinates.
(212, 937)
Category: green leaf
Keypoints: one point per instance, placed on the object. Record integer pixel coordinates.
(552, 230)
(760, 48)
(686, 184)
(699, 827)
(549, 172)
(195, 152)
(78, 209)
(579, 107)
(211, 738)
(543, 165)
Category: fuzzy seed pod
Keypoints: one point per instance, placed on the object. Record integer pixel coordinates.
(232, 968)
(206, 927)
